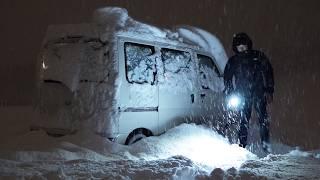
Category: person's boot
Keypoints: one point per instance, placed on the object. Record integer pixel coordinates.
(242, 141)
(242, 145)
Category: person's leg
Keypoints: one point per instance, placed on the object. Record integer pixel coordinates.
(264, 122)
(244, 123)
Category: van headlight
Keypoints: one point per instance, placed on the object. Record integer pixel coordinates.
(235, 102)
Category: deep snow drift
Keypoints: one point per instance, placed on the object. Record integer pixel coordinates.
(186, 152)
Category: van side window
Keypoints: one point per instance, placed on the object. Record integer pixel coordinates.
(140, 64)
(175, 61)
(208, 71)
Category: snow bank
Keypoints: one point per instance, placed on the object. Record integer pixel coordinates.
(203, 146)
(185, 152)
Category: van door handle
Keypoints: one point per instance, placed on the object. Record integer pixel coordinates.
(192, 98)
(202, 97)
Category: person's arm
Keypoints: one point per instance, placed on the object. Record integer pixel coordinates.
(227, 76)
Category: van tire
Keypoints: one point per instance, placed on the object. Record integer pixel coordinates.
(137, 134)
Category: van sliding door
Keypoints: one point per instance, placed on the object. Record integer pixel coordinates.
(138, 90)
(176, 88)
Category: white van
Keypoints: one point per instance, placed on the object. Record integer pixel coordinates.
(126, 80)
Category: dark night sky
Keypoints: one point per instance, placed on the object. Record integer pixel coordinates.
(287, 30)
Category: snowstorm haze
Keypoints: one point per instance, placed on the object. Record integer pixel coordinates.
(287, 31)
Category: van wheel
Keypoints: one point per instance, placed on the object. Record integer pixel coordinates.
(137, 135)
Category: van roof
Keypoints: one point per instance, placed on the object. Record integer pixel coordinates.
(109, 22)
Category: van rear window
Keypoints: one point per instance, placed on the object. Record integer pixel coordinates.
(140, 64)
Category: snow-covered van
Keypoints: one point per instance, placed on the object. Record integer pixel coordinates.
(126, 80)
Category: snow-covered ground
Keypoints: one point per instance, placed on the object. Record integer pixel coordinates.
(186, 152)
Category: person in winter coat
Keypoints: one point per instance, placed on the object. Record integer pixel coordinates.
(250, 74)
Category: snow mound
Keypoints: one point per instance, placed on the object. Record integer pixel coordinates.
(200, 144)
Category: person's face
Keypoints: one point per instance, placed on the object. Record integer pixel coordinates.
(242, 48)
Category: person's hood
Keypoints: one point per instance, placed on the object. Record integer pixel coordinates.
(241, 38)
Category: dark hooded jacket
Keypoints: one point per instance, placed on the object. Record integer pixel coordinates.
(250, 72)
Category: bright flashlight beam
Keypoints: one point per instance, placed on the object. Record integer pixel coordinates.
(234, 102)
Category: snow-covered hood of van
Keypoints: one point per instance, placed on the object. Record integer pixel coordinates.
(113, 20)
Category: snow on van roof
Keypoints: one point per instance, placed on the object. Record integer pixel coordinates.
(206, 41)
(111, 20)
(115, 19)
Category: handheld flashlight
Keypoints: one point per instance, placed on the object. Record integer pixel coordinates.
(235, 102)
